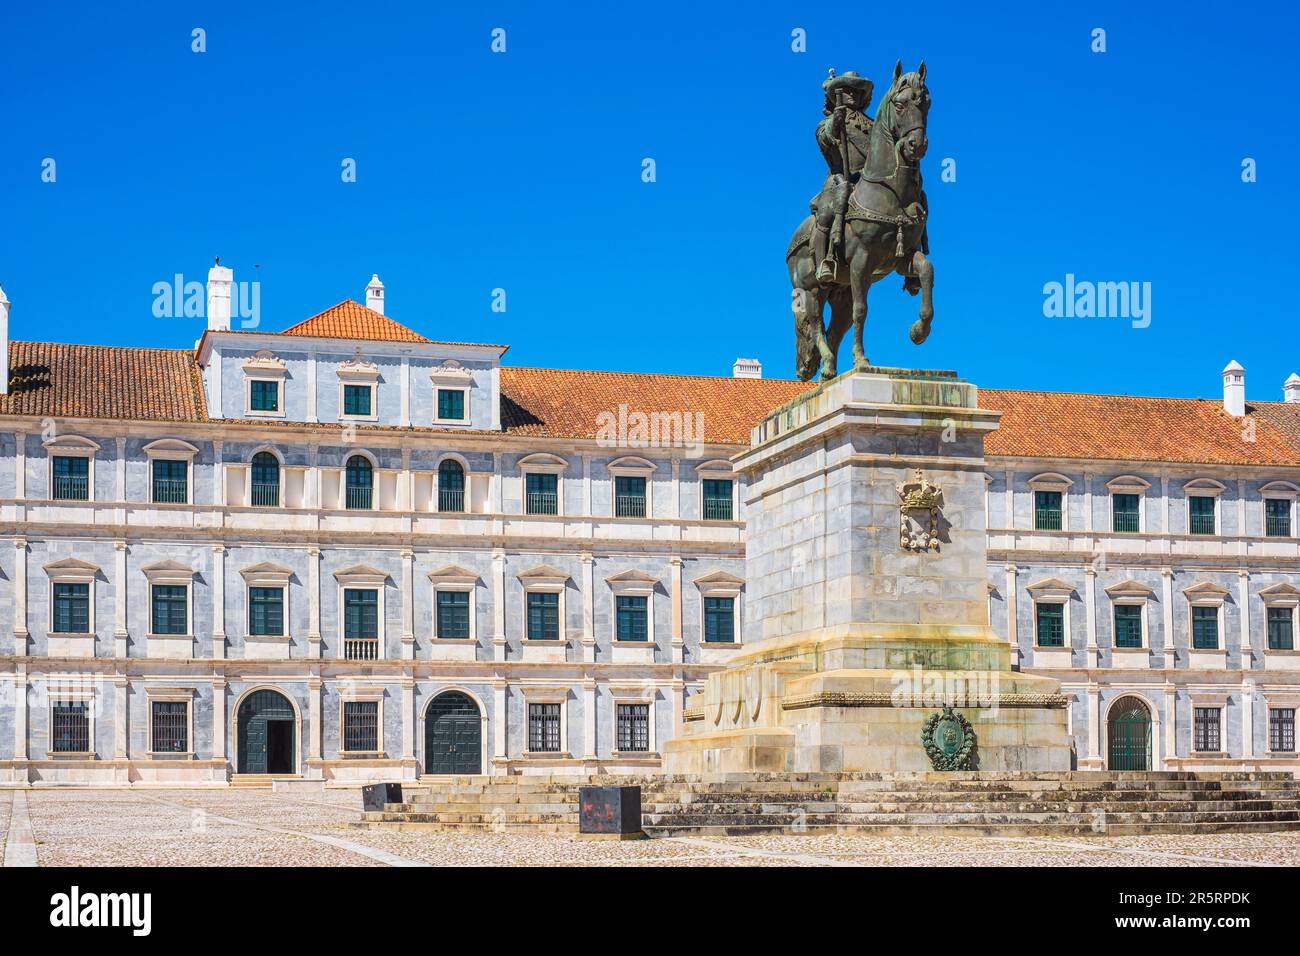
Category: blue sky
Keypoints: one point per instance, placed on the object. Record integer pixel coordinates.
(522, 171)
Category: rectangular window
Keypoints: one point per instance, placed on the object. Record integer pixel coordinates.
(171, 607)
(1124, 513)
(633, 728)
(453, 615)
(1277, 517)
(360, 624)
(1205, 628)
(1050, 624)
(629, 497)
(717, 499)
(1281, 730)
(540, 494)
(1281, 629)
(451, 404)
(1206, 730)
(1047, 510)
(1200, 510)
(70, 727)
(361, 726)
(356, 399)
(264, 396)
(543, 616)
(170, 483)
(544, 728)
(1128, 625)
(719, 620)
(171, 732)
(71, 608)
(266, 611)
(71, 478)
(632, 614)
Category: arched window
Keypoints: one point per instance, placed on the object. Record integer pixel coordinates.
(451, 486)
(360, 482)
(266, 480)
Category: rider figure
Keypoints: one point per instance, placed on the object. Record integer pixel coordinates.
(844, 137)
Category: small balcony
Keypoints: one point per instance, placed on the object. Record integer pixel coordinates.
(541, 503)
(71, 488)
(359, 497)
(451, 499)
(266, 494)
(170, 491)
(717, 509)
(361, 648)
(629, 506)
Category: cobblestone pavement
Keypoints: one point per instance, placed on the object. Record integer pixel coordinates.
(259, 828)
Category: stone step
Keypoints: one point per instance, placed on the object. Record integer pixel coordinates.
(999, 830)
(1128, 806)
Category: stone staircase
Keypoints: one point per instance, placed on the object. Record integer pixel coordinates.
(1002, 804)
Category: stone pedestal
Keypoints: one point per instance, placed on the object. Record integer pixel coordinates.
(867, 593)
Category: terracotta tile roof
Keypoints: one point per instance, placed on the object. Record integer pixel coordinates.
(565, 403)
(56, 380)
(1128, 428)
(352, 320)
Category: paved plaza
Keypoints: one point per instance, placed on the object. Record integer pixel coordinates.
(260, 828)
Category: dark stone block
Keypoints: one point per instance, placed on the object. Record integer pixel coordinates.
(376, 795)
(609, 810)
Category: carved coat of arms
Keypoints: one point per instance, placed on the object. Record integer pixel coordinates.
(949, 740)
(919, 514)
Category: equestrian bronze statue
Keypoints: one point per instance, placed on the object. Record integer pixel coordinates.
(867, 221)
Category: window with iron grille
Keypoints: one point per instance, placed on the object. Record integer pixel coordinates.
(360, 481)
(453, 615)
(171, 732)
(1050, 624)
(544, 728)
(543, 616)
(1205, 628)
(1047, 510)
(1281, 730)
(629, 496)
(632, 618)
(717, 499)
(634, 728)
(171, 606)
(1128, 625)
(357, 399)
(1124, 513)
(719, 620)
(1281, 629)
(71, 478)
(1200, 509)
(540, 496)
(361, 726)
(1277, 517)
(265, 480)
(266, 611)
(264, 396)
(170, 483)
(70, 727)
(451, 486)
(1206, 729)
(451, 404)
(71, 608)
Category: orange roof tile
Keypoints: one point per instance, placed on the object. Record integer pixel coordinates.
(352, 320)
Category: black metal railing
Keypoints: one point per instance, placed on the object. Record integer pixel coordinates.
(542, 503)
(451, 499)
(71, 487)
(717, 509)
(266, 494)
(1126, 522)
(1277, 525)
(1202, 523)
(359, 497)
(170, 491)
(629, 506)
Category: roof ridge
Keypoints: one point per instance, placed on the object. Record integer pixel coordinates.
(606, 371)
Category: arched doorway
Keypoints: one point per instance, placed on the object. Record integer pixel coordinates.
(1128, 731)
(266, 733)
(453, 735)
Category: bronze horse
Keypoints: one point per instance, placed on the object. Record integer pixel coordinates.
(884, 232)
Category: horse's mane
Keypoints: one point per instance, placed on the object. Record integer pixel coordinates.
(885, 111)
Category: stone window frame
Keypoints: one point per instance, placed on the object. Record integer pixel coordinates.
(183, 695)
(544, 579)
(362, 577)
(265, 366)
(632, 583)
(357, 371)
(548, 694)
(451, 376)
(1053, 591)
(543, 463)
(1207, 594)
(722, 584)
(70, 446)
(1128, 485)
(356, 695)
(57, 693)
(172, 449)
(1282, 699)
(631, 466)
(634, 694)
(718, 469)
(1283, 595)
(248, 475)
(1131, 592)
(435, 484)
(170, 574)
(1203, 488)
(72, 571)
(1050, 481)
(267, 574)
(1207, 699)
(1278, 490)
(454, 578)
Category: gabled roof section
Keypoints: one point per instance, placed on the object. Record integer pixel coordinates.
(352, 320)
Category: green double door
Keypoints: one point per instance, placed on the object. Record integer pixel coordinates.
(453, 735)
(266, 738)
(1128, 733)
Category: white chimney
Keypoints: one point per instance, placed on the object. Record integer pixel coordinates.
(1290, 388)
(375, 295)
(4, 343)
(747, 368)
(1234, 389)
(220, 279)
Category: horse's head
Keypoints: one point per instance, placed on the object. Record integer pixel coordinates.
(903, 112)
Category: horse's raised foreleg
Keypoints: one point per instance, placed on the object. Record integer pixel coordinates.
(923, 269)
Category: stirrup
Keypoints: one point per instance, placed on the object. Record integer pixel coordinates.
(828, 271)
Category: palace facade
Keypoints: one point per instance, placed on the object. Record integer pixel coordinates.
(347, 552)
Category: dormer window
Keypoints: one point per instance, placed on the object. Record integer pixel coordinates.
(451, 384)
(358, 400)
(1049, 501)
(264, 376)
(263, 396)
(358, 388)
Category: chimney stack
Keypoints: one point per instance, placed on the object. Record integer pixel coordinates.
(375, 295)
(220, 279)
(1234, 389)
(4, 343)
(1290, 388)
(747, 368)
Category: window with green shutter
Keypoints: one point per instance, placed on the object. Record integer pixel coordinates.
(266, 612)
(629, 496)
(1281, 629)
(264, 396)
(357, 399)
(71, 608)
(453, 615)
(540, 497)
(1128, 625)
(170, 608)
(1200, 512)
(632, 617)
(717, 499)
(1205, 628)
(1050, 624)
(451, 404)
(1047, 510)
(719, 620)
(1277, 517)
(543, 616)
(170, 481)
(1124, 513)
(71, 478)
(361, 613)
